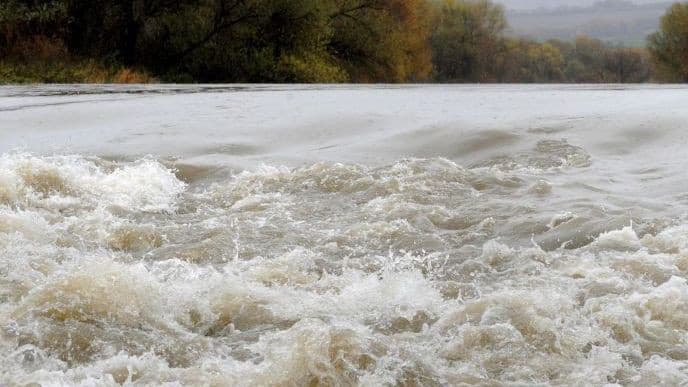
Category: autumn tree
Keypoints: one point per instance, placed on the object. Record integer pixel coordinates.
(669, 46)
(313, 41)
(627, 65)
(382, 40)
(466, 39)
(542, 63)
(586, 63)
(258, 40)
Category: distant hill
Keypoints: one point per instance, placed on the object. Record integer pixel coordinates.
(614, 21)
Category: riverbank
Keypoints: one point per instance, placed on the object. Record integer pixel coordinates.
(68, 71)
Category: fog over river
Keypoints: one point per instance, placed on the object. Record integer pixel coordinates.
(344, 235)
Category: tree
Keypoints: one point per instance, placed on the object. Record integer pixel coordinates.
(159, 34)
(382, 40)
(669, 46)
(31, 28)
(588, 58)
(627, 65)
(466, 39)
(258, 40)
(316, 41)
(546, 62)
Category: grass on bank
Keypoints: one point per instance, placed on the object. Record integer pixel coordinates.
(68, 71)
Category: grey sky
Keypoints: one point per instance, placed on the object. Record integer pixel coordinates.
(628, 22)
(532, 4)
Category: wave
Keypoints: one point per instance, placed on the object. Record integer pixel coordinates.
(422, 272)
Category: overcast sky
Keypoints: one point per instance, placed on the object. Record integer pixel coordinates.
(531, 4)
(626, 24)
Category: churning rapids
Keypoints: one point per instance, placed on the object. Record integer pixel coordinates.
(336, 236)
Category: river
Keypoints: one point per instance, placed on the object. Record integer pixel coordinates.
(344, 235)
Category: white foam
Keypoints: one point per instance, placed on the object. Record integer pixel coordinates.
(333, 274)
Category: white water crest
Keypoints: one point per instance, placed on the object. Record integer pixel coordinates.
(357, 248)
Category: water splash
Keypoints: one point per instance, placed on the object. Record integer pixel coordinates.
(422, 272)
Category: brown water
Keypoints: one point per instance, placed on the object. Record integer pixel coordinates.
(339, 236)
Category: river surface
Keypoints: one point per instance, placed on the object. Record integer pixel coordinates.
(338, 235)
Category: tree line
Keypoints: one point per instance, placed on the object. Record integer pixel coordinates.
(318, 41)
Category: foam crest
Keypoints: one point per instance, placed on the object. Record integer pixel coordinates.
(144, 185)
